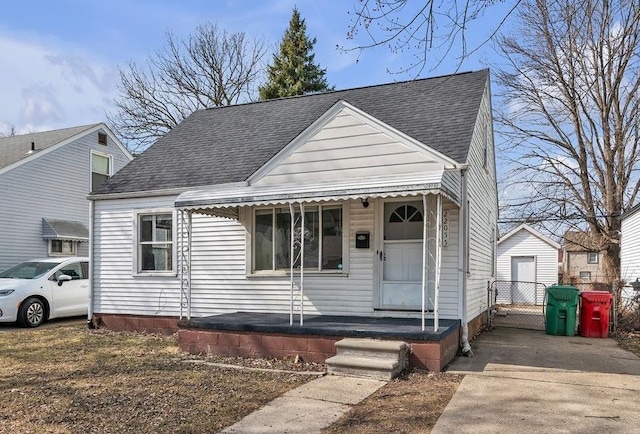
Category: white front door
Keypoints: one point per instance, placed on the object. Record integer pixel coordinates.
(401, 256)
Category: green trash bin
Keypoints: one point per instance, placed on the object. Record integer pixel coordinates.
(562, 305)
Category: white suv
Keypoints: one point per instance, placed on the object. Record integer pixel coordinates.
(41, 289)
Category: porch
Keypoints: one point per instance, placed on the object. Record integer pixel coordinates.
(247, 334)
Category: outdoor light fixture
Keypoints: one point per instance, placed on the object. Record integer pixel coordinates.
(365, 202)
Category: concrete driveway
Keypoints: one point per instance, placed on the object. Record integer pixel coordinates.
(524, 380)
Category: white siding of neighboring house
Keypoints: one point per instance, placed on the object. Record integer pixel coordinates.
(630, 250)
(346, 147)
(219, 280)
(55, 186)
(483, 212)
(524, 243)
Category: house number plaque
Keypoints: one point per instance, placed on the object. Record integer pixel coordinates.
(445, 228)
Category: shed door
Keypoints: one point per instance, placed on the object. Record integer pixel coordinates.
(402, 256)
(523, 273)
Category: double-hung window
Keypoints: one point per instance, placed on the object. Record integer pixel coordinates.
(155, 242)
(592, 257)
(323, 239)
(100, 169)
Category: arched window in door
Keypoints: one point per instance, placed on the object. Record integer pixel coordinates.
(403, 222)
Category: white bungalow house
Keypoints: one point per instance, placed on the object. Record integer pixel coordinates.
(320, 215)
(526, 259)
(44, 181)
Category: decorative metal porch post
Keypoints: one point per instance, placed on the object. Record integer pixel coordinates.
(185, 262)
(302, 264)
(424, 258)
(292, 260)
(436, 294)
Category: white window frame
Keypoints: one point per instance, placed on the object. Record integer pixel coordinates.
(586, 273)
(136, 268)
(102, 154)
(597, 258)
(250, 249)
(74, 248)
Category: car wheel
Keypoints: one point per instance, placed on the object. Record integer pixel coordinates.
(31, 313)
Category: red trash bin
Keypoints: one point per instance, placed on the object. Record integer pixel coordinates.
(594, 314)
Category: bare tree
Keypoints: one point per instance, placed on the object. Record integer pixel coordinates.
(12, 132)
(209, 68)
(570, 116)
(421, 26)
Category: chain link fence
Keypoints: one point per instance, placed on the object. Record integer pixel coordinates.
(517, 304)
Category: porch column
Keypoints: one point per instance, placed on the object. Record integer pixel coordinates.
(293, 226)
(302, 264)
(436, 295)
(424, 259)
(185, 263)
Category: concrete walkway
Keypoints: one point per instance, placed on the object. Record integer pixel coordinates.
(523, 380)
(308, 408)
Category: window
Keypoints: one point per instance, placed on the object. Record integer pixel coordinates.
(62, 248)
(100, 169)
(585, 275)
(323, 229)
(77, 271)
(592, 257)
(155, 242)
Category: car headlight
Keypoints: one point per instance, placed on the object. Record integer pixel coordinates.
(4, 292)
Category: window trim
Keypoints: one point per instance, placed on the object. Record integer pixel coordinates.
(249, 218)
(102, 154)
(597, 260)
(135, 265)
(74, 248)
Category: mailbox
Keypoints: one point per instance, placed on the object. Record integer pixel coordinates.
(362, 240)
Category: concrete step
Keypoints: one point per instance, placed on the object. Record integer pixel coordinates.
(370, 358)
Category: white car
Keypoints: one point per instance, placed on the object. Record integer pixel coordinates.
(35, 291)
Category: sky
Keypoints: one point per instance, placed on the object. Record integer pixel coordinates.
(59, 59)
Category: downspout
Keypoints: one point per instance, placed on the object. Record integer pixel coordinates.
(90, 324)
(466, 347)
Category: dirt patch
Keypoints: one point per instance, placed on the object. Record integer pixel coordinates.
(629, 341)
(411, 404)
(70, 380)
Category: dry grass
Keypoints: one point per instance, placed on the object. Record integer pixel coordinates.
(70, 380)
(630, 341)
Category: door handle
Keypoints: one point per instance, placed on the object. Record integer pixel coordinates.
(381, 254)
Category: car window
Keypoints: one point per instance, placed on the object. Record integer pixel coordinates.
(73, 270)
(28, 270)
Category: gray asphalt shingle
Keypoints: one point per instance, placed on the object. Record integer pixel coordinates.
(228, 144)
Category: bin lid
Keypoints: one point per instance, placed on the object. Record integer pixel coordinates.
(563, 292)
(601, 296)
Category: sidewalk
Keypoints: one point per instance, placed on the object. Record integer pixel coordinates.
(522, 380)
(308, 408)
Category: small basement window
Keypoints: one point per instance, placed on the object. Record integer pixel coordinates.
(62, 248)
(585, 275)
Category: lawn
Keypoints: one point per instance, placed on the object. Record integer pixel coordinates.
(71, 380)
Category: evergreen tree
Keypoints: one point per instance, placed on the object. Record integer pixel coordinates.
(293, 71)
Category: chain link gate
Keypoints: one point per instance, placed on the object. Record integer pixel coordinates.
(517, 304)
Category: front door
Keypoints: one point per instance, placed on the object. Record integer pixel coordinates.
(401, 256)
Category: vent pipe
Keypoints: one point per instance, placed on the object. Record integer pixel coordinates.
(33, 146)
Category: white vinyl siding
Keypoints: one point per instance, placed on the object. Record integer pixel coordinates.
(219, 280)
(630, 248)
(348, 148)
(483, 211)
(524, 243)
(54, 185)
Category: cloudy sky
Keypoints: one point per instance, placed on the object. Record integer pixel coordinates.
(59, 59)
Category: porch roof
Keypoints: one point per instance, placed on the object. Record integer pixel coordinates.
(225, 202)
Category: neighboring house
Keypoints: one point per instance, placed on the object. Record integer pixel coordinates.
(200, 224)
(525, 255)
(44, 182)
(582, 260)
(630, 245)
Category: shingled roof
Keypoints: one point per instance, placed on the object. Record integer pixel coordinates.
(228, 144)
(16, 148)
